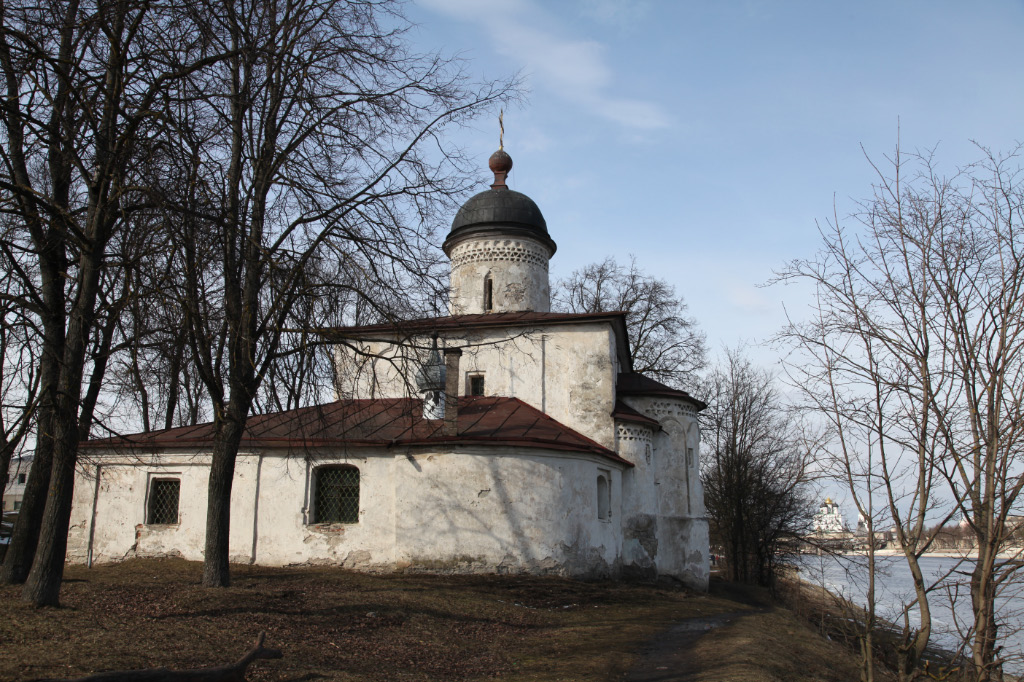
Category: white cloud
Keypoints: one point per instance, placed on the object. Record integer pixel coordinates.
(573, 69)
(618, 13)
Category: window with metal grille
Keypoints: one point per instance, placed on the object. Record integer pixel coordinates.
(337, 495)
(476, 384)
(163, 500)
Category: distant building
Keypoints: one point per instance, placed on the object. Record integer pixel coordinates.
(14, 487)
(829, 518)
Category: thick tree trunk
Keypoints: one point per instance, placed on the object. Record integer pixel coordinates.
(25, 536)
(216, 571)
(48, 239)
(42, 587)
(6, 452)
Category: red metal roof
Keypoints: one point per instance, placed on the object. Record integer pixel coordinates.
(484, 420)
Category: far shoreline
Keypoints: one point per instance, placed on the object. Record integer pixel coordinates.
(1010, 553)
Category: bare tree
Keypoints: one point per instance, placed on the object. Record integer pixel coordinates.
(916, 345)
(666, 344)
(316, 140)
(81, 81)
(755, 468)
(149, 369)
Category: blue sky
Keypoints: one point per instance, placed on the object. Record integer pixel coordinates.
(707, 138)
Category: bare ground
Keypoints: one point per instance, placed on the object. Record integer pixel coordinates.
(339, 625)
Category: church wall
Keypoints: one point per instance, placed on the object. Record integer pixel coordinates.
(115, 518)
(286, 532)
(639, 521)
(431, 511)
(515, 513)
(677, 500)
(565, 371)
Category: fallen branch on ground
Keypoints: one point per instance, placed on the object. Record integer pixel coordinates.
(234, 672)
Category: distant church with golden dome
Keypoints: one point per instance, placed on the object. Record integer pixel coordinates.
(501, 438)
(829, 518)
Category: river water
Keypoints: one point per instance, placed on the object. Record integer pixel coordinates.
(950, 604)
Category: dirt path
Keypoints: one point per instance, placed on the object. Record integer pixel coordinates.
(668, 657)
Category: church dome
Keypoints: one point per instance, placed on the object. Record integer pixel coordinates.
(500, 207)
(499, 211)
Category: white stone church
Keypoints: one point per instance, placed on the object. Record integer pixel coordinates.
(502, 438)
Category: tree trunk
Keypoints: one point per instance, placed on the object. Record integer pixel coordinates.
(42, 587)
(25, 535)
(174, 374)
(983, 603)
(216, 571)
(100, 357)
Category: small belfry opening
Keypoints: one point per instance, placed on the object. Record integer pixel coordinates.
(488, 294)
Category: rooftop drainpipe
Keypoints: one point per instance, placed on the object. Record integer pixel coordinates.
(451, 389)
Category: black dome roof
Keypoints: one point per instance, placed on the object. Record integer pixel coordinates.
(503, 206)
(503, 211)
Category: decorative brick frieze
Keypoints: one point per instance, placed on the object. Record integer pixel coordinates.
(499, 250)
(634, 433)
(665, 408)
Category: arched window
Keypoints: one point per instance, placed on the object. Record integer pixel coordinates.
(488, 294)
(336, 498)
(604, 498)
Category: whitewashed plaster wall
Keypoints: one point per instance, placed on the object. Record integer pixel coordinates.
(517, 511)
(640, 542)
(566, 371)
(680, 517)
(518, 268)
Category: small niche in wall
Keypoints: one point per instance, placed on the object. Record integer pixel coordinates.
(604, 495)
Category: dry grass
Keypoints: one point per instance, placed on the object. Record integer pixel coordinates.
(842, 621)
(768, 644)
(338, 625)
(769, 647)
